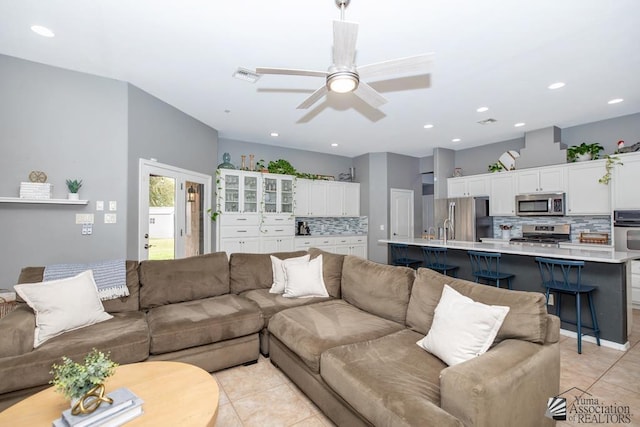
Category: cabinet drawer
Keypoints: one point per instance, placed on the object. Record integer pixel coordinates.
(278, 230)
(310, 242)
(358, 240)
(635, 269)
(279, 220)
(226, 232)
(239, 220)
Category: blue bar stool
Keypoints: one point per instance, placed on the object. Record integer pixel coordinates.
(400, 256)
(436, 259)
(486, 265)
(564, 277)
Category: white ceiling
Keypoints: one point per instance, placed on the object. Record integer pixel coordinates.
(495, 53)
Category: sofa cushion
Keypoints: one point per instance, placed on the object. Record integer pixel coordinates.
(389, 380)
(193, 323)
(304, 280)
(311, 329)
(331, 270)
(116, 305)
(526, 320)
(253, 271)
(379, 289)
(16, 333)
(186, 279)
(125, 336)
(270, 303)
(278, 270)
(63, 305)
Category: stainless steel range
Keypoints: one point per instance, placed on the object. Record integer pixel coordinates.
(543, 235)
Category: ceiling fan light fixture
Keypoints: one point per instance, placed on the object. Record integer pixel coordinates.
(343, 81)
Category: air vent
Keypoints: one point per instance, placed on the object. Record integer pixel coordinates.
(487, 121)
(246, 75)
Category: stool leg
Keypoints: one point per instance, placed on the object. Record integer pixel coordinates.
(509, 283)
(579, 323)
(594, 320)
(497, 283)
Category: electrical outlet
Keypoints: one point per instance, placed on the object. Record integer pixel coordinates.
(87, 229)
(100, 205)
(110, 218)
(113, 205)
(551, 301)
(84, 218)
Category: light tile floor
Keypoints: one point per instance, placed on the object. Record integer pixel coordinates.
(261, 395)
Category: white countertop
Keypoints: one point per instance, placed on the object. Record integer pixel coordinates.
(590, 254)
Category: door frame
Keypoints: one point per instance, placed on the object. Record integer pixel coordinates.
(148, 167)
(392, 219)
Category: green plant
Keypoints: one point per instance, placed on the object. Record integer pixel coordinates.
(74, 185)
(495, 167)
(577, 150)
(281, 166)
(214, 214)
(74, 380)
(608, 166)
(260, 165)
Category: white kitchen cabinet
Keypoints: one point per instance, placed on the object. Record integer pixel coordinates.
(240, 245)
(541, 180)
(277, 194)
(326, 243)
(310, 197)
(625, 178)
(327, 198)
(351, 245)
(239, 191)
(585, 195)
(470, 186)
(343, 199)
(276, 244)
(502, 199)
(351, 199)
(635, 284)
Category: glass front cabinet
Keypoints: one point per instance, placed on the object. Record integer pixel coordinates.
(239, 191)
(278, 194)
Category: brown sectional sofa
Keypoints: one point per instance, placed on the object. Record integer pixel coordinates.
(354, 353)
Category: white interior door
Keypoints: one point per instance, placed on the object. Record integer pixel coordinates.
(173, 220)
(401, 213)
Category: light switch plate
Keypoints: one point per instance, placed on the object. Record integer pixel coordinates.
(110, 218)
(113, 205)
(84, 218)
(100, 205)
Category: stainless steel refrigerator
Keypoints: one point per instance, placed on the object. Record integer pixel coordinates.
(468, 216)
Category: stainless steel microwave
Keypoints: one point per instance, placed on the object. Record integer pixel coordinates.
(540, 204)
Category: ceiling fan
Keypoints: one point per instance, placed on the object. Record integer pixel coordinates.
(344, 76)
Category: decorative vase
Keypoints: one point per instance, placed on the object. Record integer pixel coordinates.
(243, 165)
(251, 156)
(73, 196)
(583, 157)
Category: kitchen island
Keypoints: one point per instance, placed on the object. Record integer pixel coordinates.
(606, 268)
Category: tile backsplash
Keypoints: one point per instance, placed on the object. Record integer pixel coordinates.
(323, 226)
(593, 224)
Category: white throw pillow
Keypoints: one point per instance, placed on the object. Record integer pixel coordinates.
(462, 328)
(304, 280)
(279, 278)
(63, 305)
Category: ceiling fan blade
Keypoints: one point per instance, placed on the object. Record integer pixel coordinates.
(291, 72)
(418, 64)
(369, 95)
(313, 98)
(345, 35)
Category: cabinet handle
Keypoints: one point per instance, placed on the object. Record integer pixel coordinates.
(241, 219)
(279, 219)
(242, 231)
(279, 230)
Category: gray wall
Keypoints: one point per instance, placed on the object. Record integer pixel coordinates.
(476, 160)
(606, 132)
(160, 131)
(69, 125)
(443, 164)
(378, 206)
(303, 161)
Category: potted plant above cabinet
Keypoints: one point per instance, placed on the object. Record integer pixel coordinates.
(583, 152)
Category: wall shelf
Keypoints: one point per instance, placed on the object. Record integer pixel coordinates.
(43, 201)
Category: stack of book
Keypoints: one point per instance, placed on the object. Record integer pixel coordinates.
(36, 190)
(125, 407)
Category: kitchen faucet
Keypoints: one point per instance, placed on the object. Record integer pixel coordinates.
(446, 227)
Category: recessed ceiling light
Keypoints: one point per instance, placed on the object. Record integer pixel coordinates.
(482, 109)
(518, 125)
(275, 134)
(456, 140)
(335, 144)
(556, 85)
(428, 126)
(615, 101)
(43, 31)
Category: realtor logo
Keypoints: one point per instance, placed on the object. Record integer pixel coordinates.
(557, 408)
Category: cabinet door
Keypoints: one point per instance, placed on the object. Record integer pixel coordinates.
(335, 199)
(285, 196)
(318, 198)
(269, 244)
(250, 194)
(270, 194)
(456, 187)
(478, 186)
(352, 199)
(302, 197)
(585, 195)
(230, 246)
(527, 182)
(342, 250)
(502, 199)
(286, 244)
(625, 180)
(359, 250)
(552, 179)
(230, 188)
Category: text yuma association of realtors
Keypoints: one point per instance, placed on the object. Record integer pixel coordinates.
(589, 410)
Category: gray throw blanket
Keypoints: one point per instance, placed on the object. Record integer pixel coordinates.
(110, 276)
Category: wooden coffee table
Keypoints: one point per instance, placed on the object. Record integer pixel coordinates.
(174, 394)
